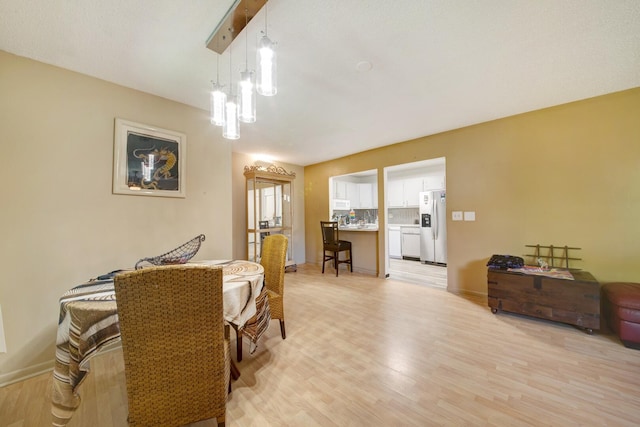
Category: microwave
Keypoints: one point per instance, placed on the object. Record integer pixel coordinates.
(341, 204)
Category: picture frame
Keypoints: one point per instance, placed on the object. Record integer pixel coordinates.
(148, 160)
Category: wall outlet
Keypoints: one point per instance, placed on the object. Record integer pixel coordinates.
(470, 216)
(456, 216)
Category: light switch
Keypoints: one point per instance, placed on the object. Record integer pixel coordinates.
(456, 216)
(470, 216)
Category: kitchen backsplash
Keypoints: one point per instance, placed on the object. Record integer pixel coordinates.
(403, 216)
(368, 215)
(396, 215)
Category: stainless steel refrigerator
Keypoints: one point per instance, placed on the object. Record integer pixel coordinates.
(433, 227)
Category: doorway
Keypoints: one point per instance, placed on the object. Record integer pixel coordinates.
(406, 245)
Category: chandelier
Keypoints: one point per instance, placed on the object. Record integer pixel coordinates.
(226, 109)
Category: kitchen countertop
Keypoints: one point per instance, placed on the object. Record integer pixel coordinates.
(365, 227)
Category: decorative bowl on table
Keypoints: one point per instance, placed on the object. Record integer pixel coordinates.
(179, 255)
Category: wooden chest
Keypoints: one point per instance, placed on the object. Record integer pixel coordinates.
(576, 302)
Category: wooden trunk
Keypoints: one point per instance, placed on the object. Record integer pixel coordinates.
(576, 302)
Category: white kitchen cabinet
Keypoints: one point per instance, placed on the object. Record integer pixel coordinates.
(374, 193)
(339, 189)
(433, 183)
(353, 195)
(395, 194)
(412, 188)
(404, 193)
(365, 196)
(362, 195)
(410, 242)
(395, 242)
(346, 190)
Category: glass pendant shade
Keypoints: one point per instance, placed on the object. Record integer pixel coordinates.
(247, 97)
(218, 105)
(266, 80)
(231, 127)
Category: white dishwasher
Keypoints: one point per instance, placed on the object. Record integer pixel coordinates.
(410, 242)
(395, 242)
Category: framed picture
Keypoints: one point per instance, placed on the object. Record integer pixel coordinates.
(149, 161)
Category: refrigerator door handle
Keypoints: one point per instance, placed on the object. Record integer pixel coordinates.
(434, 220)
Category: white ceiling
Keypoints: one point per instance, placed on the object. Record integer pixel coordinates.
(436, 64)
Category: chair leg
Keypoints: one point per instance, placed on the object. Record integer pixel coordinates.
(324, 259)
(336, 262)
(282, 332)
(235, 373)
(350, 261)
(239, 345)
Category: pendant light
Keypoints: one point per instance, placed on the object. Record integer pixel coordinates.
(246, 85)
(266, 81)
(218, 98)
(218, 101)
(231, 127)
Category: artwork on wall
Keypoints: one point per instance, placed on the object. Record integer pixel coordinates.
(148, 161)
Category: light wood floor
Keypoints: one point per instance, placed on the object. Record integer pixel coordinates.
(362, 351)
(417, 272)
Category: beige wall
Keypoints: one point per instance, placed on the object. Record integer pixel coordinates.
(568, 175)
(60, 223)
(240, 206)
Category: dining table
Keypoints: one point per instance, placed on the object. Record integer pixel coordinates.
(88, 322)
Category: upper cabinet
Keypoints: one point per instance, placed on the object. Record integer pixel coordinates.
(346, 190)
(433, 182)
(405, 182)
(395, 193)
(412, 188)
(339, 189)
(374, 195)
(361, 189)
(404, 193)
(367, 195)
(352, 195)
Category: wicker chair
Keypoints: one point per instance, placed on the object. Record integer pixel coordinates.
(274, 257)
(175, 344)
(269, 303)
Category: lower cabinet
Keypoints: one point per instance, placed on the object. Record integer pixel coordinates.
(410, 242)
(395, 242)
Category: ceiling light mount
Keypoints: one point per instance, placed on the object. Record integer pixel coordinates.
(237, 17)
(364, 66)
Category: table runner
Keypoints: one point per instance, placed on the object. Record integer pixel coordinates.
(88, 321)
(555, 273)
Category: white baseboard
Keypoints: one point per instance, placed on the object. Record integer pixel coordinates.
(41, 368)
(26, 373)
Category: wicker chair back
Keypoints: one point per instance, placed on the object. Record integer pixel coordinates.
(274, 258)
(176, 354)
